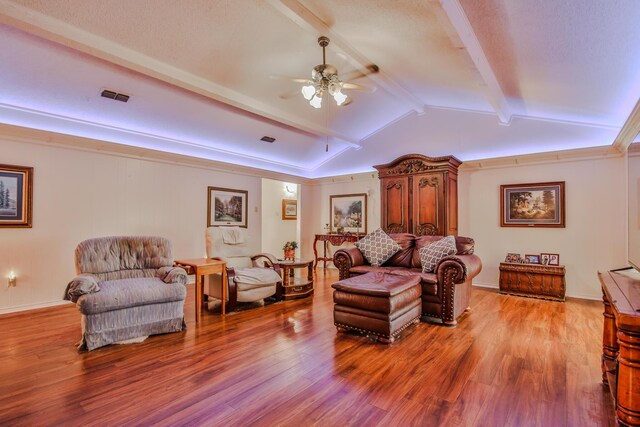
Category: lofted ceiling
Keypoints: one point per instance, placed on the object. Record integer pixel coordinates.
(476, 79)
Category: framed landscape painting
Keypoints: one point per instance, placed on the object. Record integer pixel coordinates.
(289, 209)
(226, 207)
(532, 205)
(348, 213)
(16, 189)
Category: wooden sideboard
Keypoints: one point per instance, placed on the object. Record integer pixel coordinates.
(533, 280)
(419, 195)
(621, 342)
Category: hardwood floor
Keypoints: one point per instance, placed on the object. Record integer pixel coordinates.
(511, 361)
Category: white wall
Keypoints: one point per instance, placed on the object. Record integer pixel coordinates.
(81, 194)
(275, 230)
(594, 237)
(315, 201)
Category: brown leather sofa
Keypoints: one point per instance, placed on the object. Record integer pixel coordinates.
(445, 292)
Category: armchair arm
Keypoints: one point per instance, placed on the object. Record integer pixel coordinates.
(81, 285)
(346, 258)
(172, 275)
(270, 261)
(462, 267)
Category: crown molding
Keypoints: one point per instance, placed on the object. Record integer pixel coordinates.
(563, 156)
(47, 138)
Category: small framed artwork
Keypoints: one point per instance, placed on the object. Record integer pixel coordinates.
(289, 209)
(551, 259)
(348, 213)
(16, 196)
(512, 258)
(532, 205)
(532, 259)
(226, 207)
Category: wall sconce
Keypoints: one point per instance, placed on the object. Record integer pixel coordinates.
(288, 190)
(12, 280)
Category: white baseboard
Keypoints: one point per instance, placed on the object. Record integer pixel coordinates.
(33, 306)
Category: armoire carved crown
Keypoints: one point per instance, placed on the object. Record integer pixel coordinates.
(419, 195)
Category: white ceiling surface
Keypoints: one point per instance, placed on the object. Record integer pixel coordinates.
(572, 63)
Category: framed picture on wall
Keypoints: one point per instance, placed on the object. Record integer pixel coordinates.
(532, 205)
(226, 207)
(289, 209)
(16, 196)
(348, 213)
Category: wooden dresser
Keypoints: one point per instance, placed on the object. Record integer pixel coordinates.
(621, 342)
(419, 195)
(533, 280)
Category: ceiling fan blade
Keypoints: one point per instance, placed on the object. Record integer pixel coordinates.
(291, 79)
(353, 86)
(347, 102)
(291, 94)
(357, 74)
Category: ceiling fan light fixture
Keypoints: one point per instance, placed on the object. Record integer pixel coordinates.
(308, 92)
(339, 97)
(316, 101)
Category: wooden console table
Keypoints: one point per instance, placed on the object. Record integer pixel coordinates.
(203, 267)
(621, 342)
(533, 280)
(335, 240)
(296, 287)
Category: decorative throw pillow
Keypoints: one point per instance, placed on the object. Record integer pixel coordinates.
(433, 253)
(377, 247)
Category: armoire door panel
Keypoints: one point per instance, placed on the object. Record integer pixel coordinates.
(452, 210)
(428, 204)
(395, 202)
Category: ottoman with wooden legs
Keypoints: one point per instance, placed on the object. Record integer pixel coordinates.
(377, 304)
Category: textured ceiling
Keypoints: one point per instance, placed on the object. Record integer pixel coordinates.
(200, 76)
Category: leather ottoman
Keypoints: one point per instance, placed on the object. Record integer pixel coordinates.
(378, 304)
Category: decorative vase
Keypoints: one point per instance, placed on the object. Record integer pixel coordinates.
(290, 254)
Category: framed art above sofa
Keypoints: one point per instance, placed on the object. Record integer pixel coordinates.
(348, 213)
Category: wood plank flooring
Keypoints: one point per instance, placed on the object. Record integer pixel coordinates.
(511, 361)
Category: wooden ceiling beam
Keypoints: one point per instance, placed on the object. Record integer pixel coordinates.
(629, 131)
(493, 91)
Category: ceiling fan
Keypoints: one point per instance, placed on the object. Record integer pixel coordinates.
(324, 79)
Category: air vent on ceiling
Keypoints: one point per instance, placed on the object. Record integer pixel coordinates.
(106, 93)
(267, 139)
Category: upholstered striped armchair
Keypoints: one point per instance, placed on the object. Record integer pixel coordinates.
(126, 288)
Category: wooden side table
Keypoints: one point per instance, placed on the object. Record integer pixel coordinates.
(203, 267)
(335, 240)
(533, 280)
(296, 287)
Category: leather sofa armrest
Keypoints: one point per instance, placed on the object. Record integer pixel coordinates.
(172, 275)
(462, 267)
(346, 258)
(81, 285)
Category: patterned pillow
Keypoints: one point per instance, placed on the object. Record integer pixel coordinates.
(377, 247)
(433, 253)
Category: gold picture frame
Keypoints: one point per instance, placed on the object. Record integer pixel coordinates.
(16, 196)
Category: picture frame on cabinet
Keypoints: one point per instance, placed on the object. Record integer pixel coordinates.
(551, 259)
(16, 196)
(511, 257)
(533, 205)
(532, 258)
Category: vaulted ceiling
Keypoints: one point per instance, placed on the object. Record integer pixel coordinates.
(476, 79)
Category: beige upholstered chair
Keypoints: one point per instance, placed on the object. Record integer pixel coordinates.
(251, 277)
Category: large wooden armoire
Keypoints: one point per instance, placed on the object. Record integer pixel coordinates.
(419, 195)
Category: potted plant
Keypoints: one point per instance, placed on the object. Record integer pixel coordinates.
(290, 250)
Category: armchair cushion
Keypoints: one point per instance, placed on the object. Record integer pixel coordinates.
(81, 285)
(377, 247)
(172, 275)
(126, 293)
(432, 254)
(258, 276)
